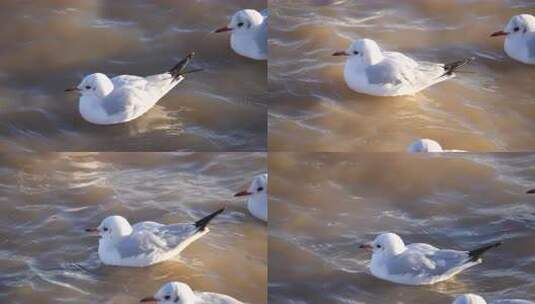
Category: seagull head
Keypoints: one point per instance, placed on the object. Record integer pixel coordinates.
(243, 21)
(258, 186)
(97, 85)
(517, 26)
(469, 299)
(365, 51)
(112, 228)
(172, 293)
(385, 244)
(424, 145)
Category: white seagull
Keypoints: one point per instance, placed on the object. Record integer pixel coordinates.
(372, 71)
(249, 33)
(475, 299)
(145, 243)
(181, 293)
(418, 264)
(427, 145)
(105, 101)
(257, 193)
(520, 38)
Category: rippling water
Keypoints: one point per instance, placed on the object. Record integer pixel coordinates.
(323, 206)
(489, 109)
(48, 200)
(50, 45)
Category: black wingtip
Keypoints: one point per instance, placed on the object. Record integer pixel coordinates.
(179, 68)
(477, 253)
(202, 223)
(450, 68)
(530, 191)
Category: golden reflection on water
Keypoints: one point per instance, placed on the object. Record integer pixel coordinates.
(488, 108)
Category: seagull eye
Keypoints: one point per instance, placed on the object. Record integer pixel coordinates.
(167, 297)
(105, 229)
(87, 87)
(516, 29)
(240, 24)
(259, 189)
(378, 246)
(356, 52)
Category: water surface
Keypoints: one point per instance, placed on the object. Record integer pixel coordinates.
(323, 206)
(47, 201)
(488, 108)
(50, 45)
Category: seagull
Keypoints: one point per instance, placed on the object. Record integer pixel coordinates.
(105, 101)
(181, 293)
(145, 243)
(372, 71)
(475, 299)
(520, 38)
(257, 193)
(418, 264)
(427, 145)
(249, 33)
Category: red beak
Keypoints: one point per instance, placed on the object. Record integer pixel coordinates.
(73, 89)
(366, 246)
(223, 29)
(91, 230)
(242, 193)
(340, 53)
(499, 33)
(148, 299)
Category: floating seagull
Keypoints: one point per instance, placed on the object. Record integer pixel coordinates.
(418, 264)
(106, 101)
(475, 299)
(372, 71)
(257, 193)
(249, 33)
(427, 145)
(145, 243)
(520, 38)
(180, 293)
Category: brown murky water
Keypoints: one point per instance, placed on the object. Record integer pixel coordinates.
(48, 200)
(489, 109)
(323, 206)
(50, 45)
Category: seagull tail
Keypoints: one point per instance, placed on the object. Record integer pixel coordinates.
(178, 69)
(477, 253)
(450, 68)
(530, 191)
(202, 223)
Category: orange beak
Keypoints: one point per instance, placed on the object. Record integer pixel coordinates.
(148, 299)
(499, 33)
(340, 53)
(223, 29)
(243, 193)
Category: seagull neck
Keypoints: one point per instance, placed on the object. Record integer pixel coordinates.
(257, 200)
(104, 89)
(373, 57)
(188, 296)
(191, 299)
(397, 250)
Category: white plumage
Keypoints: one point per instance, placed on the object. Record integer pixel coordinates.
(181, 293)
(372, 71)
